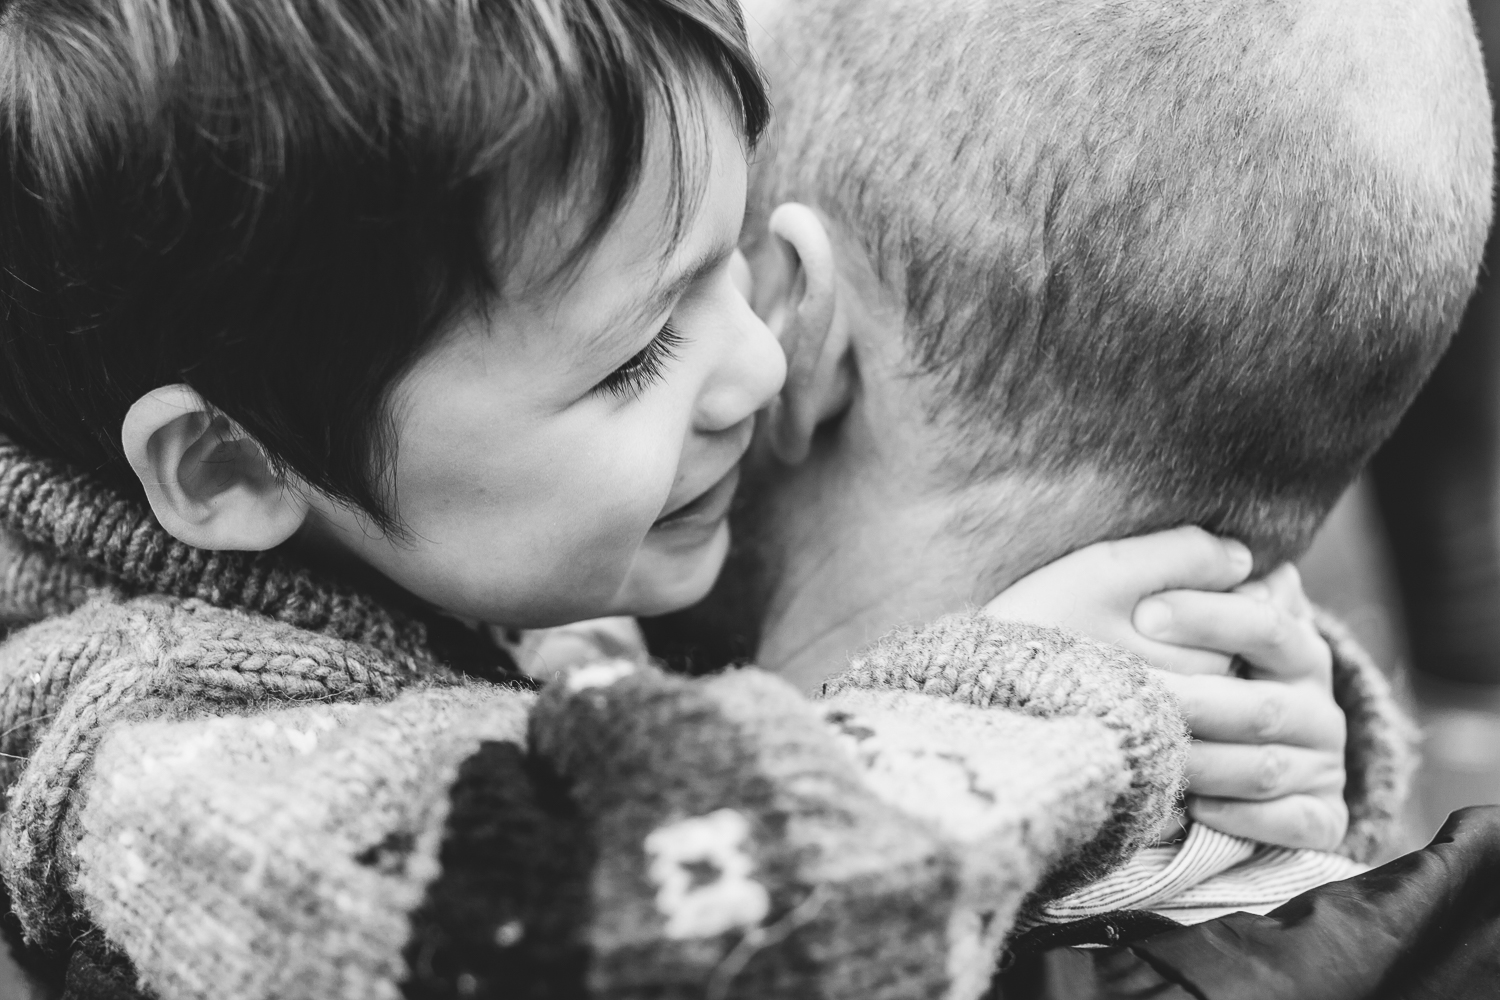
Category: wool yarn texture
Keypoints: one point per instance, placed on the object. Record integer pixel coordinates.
(232, 776)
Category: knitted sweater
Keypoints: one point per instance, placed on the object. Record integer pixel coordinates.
(229, 777)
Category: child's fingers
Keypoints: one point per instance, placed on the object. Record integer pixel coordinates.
(1177, 659)
(1280, 644)
(1094, 589)
(1234, 710)
(1167, 560)
(1260, 772)
(1315, 821)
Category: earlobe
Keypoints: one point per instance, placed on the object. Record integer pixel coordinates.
(796, 292)
(208, 483)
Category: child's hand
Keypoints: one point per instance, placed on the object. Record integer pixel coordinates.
(1095, 590)
(1268, 761)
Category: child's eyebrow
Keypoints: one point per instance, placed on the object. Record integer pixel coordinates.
(666, 290)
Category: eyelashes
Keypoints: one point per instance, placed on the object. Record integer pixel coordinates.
(645, 368)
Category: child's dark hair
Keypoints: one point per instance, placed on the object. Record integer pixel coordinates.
(280, 202)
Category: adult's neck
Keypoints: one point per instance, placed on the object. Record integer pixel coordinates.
(862, 538)
(872, 531)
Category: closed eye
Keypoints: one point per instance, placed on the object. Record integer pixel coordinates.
(645, 368)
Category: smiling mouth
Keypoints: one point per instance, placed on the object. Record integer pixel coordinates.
(707, 507)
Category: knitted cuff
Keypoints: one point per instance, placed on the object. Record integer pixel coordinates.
(1047, 673)
(1380, 755)
(1025, 792)
(1017, 795)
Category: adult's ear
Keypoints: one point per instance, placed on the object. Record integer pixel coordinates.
(795, 290)
(208, 482)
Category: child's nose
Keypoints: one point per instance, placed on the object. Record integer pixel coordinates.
(749, 375)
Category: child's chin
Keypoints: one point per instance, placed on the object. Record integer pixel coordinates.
(666, 578)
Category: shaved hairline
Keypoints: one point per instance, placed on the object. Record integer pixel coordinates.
(1054, 183)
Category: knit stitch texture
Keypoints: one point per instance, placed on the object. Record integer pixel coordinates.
(238, 778)
(142, 657)
(1380, 756)
(1044, 672)
(97, 538)
(204, 848)
(238, 771)
(135, 624)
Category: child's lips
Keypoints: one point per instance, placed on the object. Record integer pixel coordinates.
(708, 507)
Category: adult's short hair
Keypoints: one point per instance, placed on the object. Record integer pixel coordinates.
(1208, 250)
(280, 202)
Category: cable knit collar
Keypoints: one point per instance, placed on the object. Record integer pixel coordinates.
(71, 534)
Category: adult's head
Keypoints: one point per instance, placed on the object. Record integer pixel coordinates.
(1141, 263)
(424, 263)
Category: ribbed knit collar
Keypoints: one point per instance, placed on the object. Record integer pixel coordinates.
(83, 520)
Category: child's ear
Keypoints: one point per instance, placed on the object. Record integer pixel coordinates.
(795, 289)
(209, 484)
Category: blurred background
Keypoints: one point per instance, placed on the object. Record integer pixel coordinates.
(1351, 571)
(1410, 560)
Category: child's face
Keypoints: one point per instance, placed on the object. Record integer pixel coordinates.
(565, 456)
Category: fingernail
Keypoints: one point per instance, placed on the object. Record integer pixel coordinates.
(1153, 617)
(1239, 555)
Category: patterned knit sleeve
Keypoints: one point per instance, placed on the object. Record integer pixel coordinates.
(1380, 756)
(1048, 673)
(290, 819)
(627, 833)
(213, 805)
